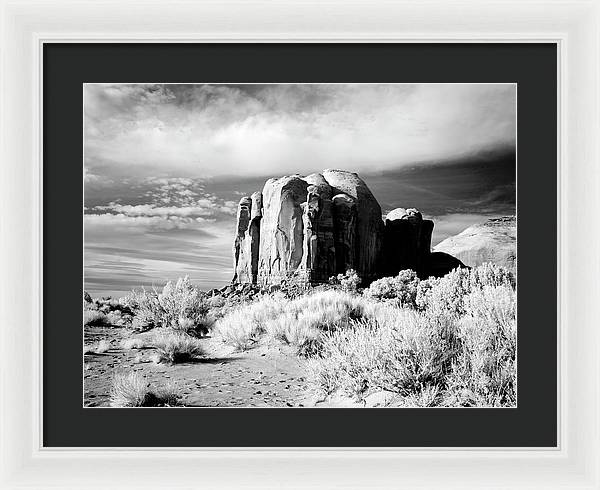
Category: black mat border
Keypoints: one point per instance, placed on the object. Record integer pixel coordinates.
(533, 66)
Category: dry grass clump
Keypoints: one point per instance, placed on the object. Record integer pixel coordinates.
(94, 318)
(174, 347)
(243, 325)
(298, 322)
(104, 312)
(132, 390)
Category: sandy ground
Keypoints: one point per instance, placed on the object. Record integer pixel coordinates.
(269, 375)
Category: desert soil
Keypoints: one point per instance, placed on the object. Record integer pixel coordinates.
(269, 375)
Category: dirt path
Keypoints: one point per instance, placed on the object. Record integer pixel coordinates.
(265, 376)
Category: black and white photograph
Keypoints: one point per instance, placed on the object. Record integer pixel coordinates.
(300, 245)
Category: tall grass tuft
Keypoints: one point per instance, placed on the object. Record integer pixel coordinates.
(132, 390)
(174, 347)
(298, 322)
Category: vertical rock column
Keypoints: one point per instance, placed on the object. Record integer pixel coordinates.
(282, 230)
(344, 212)
(318, 259)
(254, 234)
(240, 255)
(368, 229)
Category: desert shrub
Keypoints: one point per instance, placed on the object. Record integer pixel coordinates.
(214, 302)
(182, 300)
(485, 372)
(437, 342)
(243, 325)
(143, 321)
(133, 343)
(447, 293)
(458, 348)
(297, 322)
(403, 356)
(197, 328)
(349, 281)
(179, 305)
(115, 318)
(94, 318)
(424, 292)
(401, 288)
(132, 390)
(294, 329)
(440, 294)
(105, 312)
(489, 274)
(176, 347)
(427, 396)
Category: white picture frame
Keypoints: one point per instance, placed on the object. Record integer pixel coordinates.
(573, 25)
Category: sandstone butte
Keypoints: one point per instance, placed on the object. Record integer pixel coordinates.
(307, 229)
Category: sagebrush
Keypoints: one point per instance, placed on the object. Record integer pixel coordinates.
(130, 389)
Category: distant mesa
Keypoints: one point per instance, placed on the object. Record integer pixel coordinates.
(492, 241)
(305, 229)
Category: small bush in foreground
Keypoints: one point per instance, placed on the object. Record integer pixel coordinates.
(401, 288)
(94, 318)
(298, 322)
(176, 347)
(179, 305)
(243, 325)
(132, 390)
(349, 281)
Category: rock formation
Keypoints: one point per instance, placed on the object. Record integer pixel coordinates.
(307, 229)
(493, 241)
(246, 243)
(407, 242)
(363, 248)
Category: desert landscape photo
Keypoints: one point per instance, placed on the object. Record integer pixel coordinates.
(299, 245)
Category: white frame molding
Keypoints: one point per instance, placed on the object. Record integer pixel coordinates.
(573, 24)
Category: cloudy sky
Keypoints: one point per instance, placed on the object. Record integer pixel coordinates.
(165, 165)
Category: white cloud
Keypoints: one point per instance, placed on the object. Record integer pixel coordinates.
(163, 211)
(117, 222)
(247, 131)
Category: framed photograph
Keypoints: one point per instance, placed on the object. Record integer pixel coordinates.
(264, 245)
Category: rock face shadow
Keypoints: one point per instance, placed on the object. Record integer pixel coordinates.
(440, 263)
